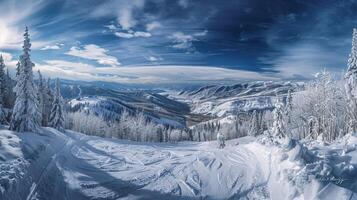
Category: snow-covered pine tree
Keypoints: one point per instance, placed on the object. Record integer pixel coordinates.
(288, 112)
(279, 123)
(18, 68)
(2, 90)
(254, 128)
(42, 98)
(351, 84)
(49, 100)
(289, 106)
(57, 115)
(2, 80)
(25, 115)
(10, 95)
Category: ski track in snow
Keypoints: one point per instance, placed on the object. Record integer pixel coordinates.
(44, 173)
(76, 166)
(99, 168)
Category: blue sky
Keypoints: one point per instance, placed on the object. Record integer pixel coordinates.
(164, 41)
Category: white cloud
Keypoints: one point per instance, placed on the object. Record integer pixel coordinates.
(124, 35)
(111, 27)
(123, 10)
(132, 34)
(304, 60)
(52, 47)
(12, 15)
(153, 25)
(185, 41)
(182, 41)
(9, 36)
(200, 34)
(94, 52)
(144, 74)
(125, 16)
(8, 60)
(6, 56)
(154, 59)
(142, 34)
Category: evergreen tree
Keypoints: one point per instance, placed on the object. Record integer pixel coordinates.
(278, 124)
(2, 80)
(2, 90)
(47, 102)
(289, 106)
(9, 94)
(18, 67)
(254, 124)
(288, 111)
(42, 99)
(351, 84)
(26, 115)
(56, 117)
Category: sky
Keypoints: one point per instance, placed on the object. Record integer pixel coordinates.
(180, 41)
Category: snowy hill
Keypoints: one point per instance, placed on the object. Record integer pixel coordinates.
(222, 100)
(55, 165)
(178, 108)
(110, 106)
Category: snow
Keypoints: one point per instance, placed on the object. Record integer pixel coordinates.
(222, 100)
(71, 165)
(85, 101)
(310, 170)
(9, 146)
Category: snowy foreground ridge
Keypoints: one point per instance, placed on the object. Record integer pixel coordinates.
(55, 165)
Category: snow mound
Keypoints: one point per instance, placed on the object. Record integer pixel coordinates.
(9, 146)
(12, 162)
(310, 169)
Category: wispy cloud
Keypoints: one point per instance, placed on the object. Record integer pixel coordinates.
(184, 41)
(153, 25)
(9, 61)
(52, 47)
(132, 34)
(122, 33)
(200, 34)
(145, 74)
(154, 59)
(12, 15)
(94, 52)
(303, 60)
(123, 11)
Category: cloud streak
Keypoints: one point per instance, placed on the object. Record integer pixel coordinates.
(145, 74)
(52, 47)
(94, 52)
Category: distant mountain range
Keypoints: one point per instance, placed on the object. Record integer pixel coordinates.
(188, 106)
(220, 100)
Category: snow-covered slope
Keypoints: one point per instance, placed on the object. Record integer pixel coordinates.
(221, 100)
(71, 165)
(158, 108)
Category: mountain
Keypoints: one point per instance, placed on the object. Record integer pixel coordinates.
(222, 100)
(187, 107)
(156, 107)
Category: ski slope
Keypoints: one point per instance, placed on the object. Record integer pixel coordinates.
(71, 165)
